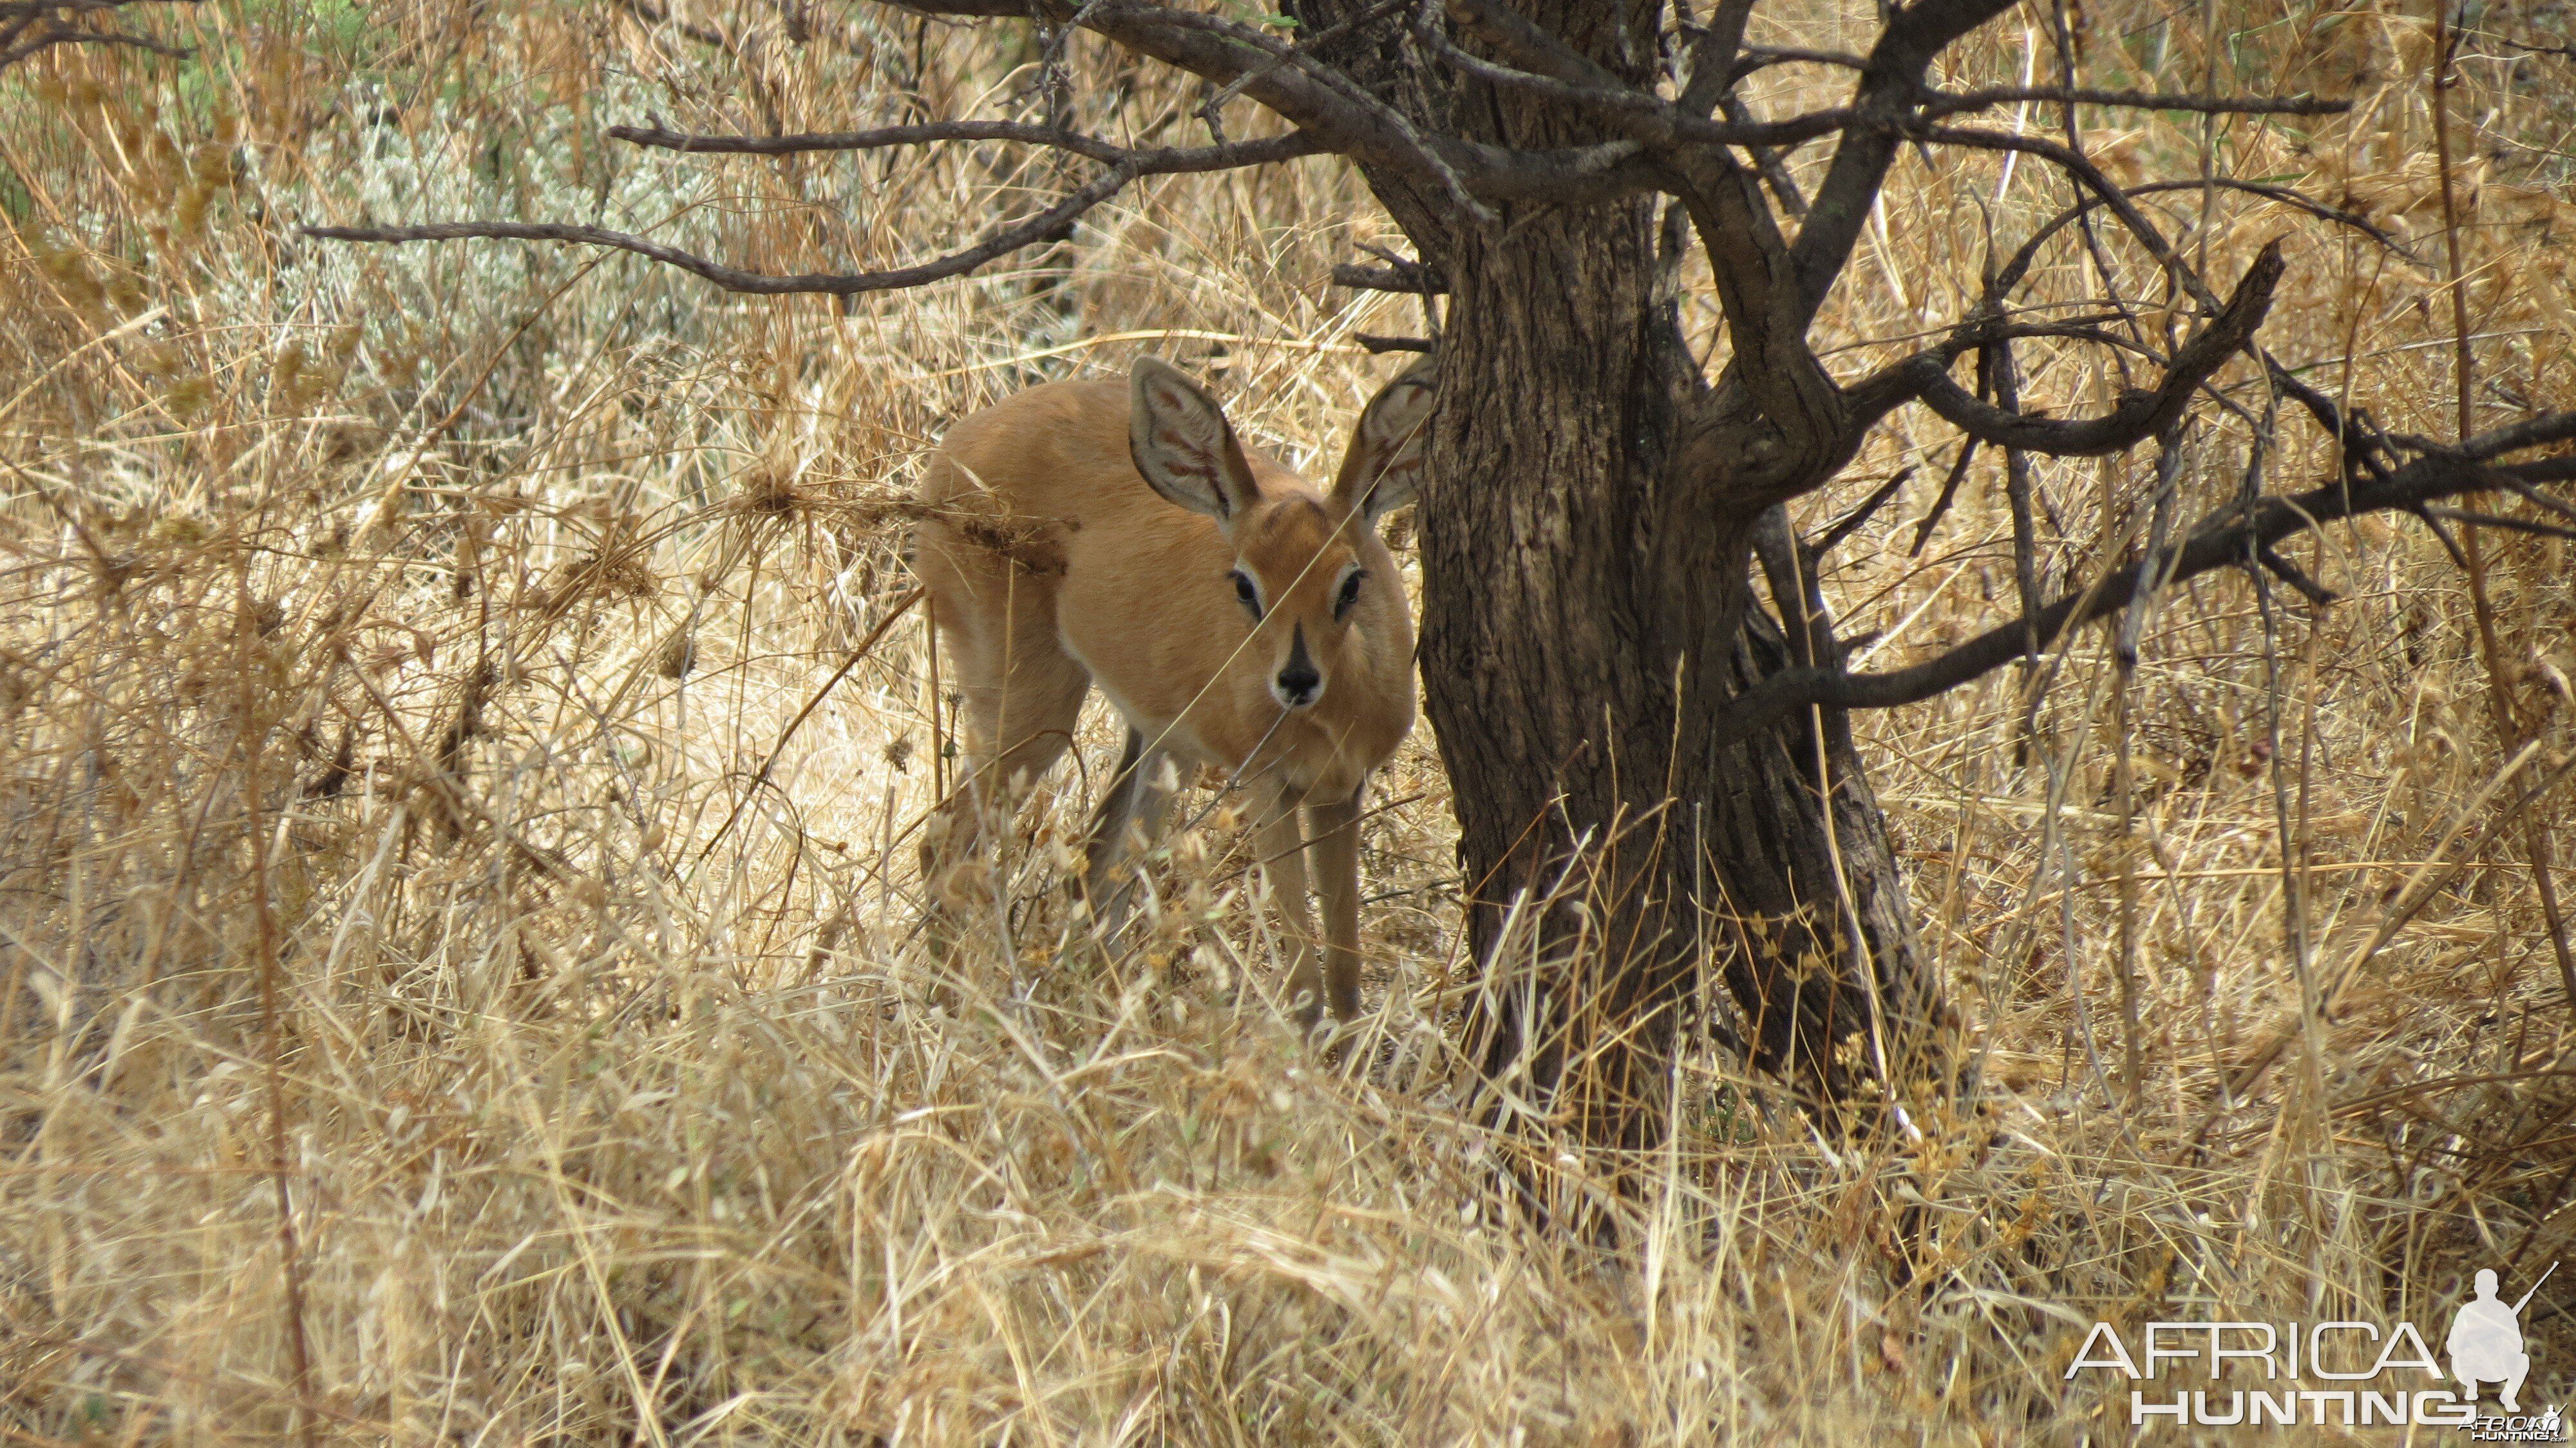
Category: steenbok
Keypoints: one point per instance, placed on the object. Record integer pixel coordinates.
(1086, 533)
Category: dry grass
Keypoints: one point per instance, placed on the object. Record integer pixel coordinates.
(395, 653)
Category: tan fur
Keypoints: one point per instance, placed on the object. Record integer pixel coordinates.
(1053, 565)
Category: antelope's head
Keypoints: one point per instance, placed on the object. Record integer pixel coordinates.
(1309, 573)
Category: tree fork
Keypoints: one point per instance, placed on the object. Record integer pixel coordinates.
(1585, 554)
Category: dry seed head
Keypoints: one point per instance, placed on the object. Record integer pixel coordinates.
(616, 574)
(178, 529)
(158, 359)
(213, 167)
(677, 656)
(769, 490)
(71, 274)
(286, 373)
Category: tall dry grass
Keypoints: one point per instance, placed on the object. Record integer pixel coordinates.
(401, 819)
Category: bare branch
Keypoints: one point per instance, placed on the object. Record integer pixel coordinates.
(1558, 71)
(1317, 98)
(2361, 446)
(1763, 57)
(1649, 119)
(1931, 518)
(2077, 165)
(2293, 575)
(1212, 46)
(1712, 60)
(2535, 497)
(1305, 45)
(2563, 52)
(1766, 159)
(1925, 377)
(29, 27)
(1890, 387)
(1853, 521)
(1163, 162)
(1890, 80)
(2510, 525)
(2285, 195)
(1410, 278)
(1999, 372)
(1949, 103)
(980, 9)
(2139, 412)
(734, 279)
(1127, 166)
(2534, 432)
(1351, 122)
(2224, 540)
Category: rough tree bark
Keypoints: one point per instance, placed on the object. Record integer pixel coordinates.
(1567, 678)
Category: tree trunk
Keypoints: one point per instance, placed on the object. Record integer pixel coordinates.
(1611, 850)
(1557, 680)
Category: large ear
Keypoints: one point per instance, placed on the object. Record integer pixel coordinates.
(1383, 468)
(1180, 440)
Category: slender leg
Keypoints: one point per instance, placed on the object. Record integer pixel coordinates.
(1109, 821)
(1283, 853)
(1333, 828)
(1022, 695)
(1140, 798)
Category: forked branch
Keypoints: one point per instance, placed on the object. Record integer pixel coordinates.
(28, 27)
(2140, 412)
(1166, 161)
(2227, 538)
(1654, 139)
(995, 245)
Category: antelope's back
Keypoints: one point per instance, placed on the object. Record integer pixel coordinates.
(1043, 479)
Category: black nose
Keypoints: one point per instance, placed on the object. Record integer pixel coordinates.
(1299, 680)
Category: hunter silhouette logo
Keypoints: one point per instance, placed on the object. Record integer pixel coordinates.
(2486, 1341)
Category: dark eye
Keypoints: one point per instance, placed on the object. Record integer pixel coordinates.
(1245, 589)
(1350, 594)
